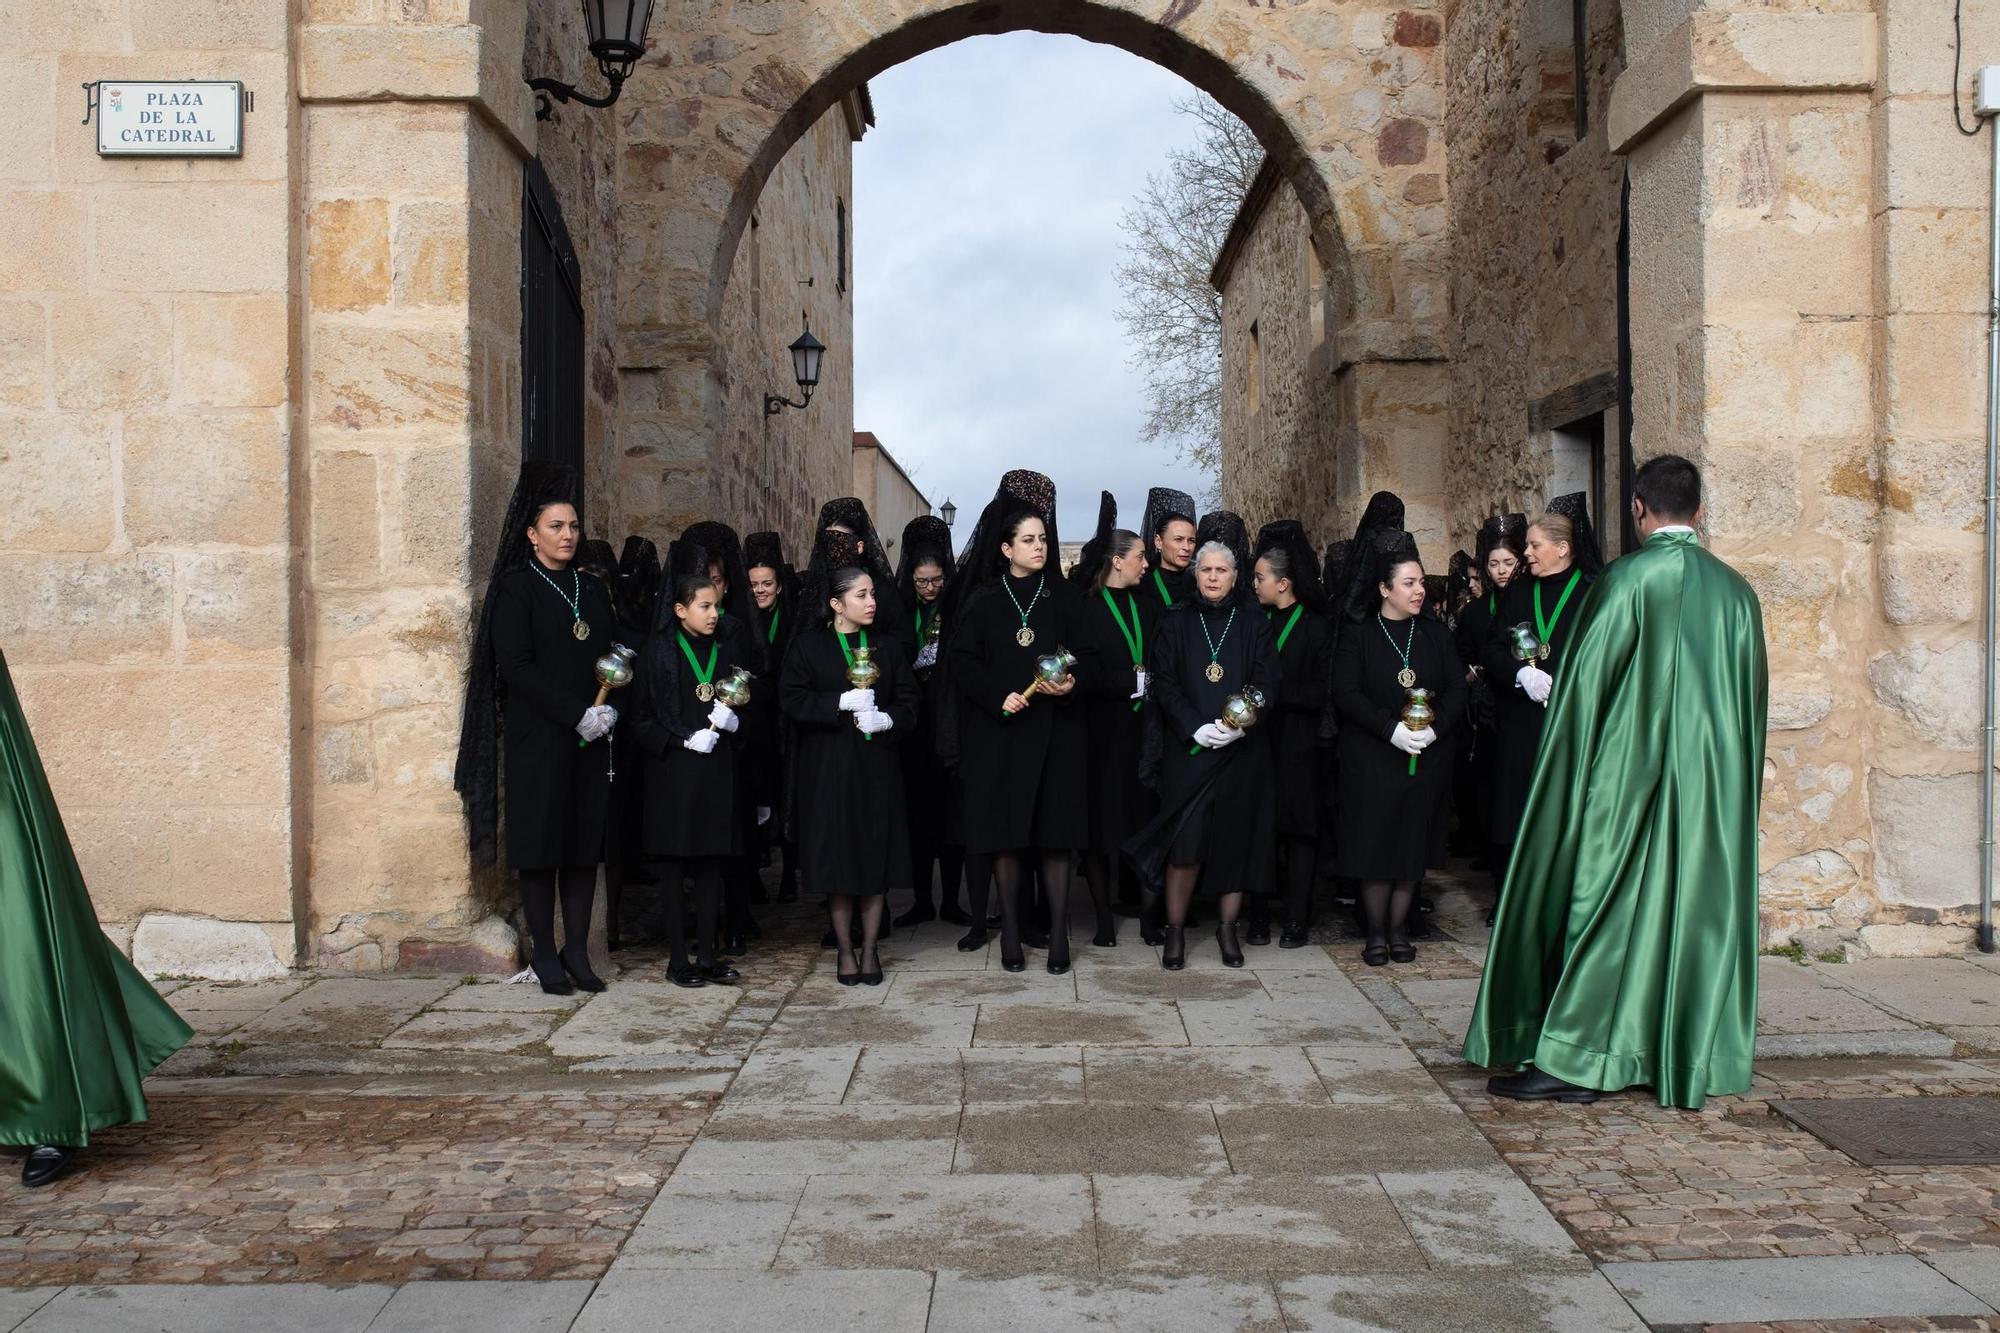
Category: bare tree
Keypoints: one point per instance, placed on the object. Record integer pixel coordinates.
(1173, 232)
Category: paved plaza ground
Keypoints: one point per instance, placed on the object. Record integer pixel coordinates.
(1293, 1146)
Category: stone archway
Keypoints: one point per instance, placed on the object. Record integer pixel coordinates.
(1349, 104)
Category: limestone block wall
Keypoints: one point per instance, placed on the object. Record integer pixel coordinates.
(147, 597)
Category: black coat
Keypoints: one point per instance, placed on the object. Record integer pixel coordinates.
(1217, 807)
(1119, 803)
(558, 792)
(1025, 776)
(1517, 719)
(850, 821)
(930, 790)
(1388, 816)
(1179, 585)
(1305, 670)
(693, 808)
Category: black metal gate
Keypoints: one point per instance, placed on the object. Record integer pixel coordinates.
(551, 329)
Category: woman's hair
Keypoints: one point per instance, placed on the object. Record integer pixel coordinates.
(1280, 561)
(1389, 561)
(1220, 548)
(842, 581)
(689, 585)
(1556, 527)
(1010, 531)
(1117, 546)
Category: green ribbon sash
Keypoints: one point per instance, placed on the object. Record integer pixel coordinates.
(1161, 584)
(771, 625)
(848, 657)
(702, 675)
(1544, 628)
(1298, 609)
(1135, 636)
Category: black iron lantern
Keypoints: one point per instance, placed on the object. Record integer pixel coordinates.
(616, 31)
(807, 352)
(948, 512)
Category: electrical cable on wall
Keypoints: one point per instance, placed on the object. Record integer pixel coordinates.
(1957, 54)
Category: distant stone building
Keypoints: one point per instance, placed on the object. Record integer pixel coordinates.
(880, 483)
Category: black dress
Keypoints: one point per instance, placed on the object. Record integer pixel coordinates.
(1168, 588)
(1386, 812)
(762, 756)
(1114, 722)
(558, 792)
(1305, 671)
(1218, 805)
(1517, 719)
(850, 820)
(931, 791)
(1025, 777)
(692, 806)
(1473, 795)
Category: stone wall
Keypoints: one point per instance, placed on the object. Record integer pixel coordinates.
(892, 498)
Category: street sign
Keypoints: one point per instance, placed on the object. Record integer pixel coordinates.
(169, 119)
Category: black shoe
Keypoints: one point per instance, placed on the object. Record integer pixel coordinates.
(916, 916)
(1058, 958)
(1106, 936)
(1294, 936)
(1018, 963)
(687, 976)
(580, 973)
(45, 1162)
(1532, 1085)
(972, 941)
(1375, 954)
(1259, 933)
(953, 914)
(1402, 951)
(841, 958)
(554, 985)
(870, 976)
(735, 946)
(1152, 932)
(1173, 950)
(722, 974)
(1225, 939)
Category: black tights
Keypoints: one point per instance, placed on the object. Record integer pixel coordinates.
(706, 871)
(1386, 904)
(577, 887)
(950, 863)
(614, 895)
(863, 956)
(1301, 865)
(1055, 888)
(1181, 881)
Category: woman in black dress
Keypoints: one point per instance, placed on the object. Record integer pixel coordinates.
(1216, 782)
(849, 817)
(1393, 780)
(1497, 556)
(1561, 564)
(693, 813)
(774, 599)
(737, 626)
(542, 628)
(1120, 620)
(937, 837)
(1170, 542)
(637, 591)
(1287, 585)
(1022, 758)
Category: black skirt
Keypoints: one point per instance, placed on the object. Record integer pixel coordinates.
(1517, 719)
(1120, 804)
(693, 808)
(1389, 816)
(850, 821)
(1302, 761)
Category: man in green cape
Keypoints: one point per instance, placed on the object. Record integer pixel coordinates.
(1625, 951)
(79, 1027)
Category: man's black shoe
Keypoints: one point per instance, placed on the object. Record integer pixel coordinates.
(1532, 1085)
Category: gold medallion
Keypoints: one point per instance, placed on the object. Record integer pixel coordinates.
(1025, 637)
(581, 629)
(1542, 652)
(1214, 673)
(1406, 678)
(704, 691)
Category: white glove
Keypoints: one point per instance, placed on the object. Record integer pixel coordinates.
(1213, 735)
(871, 722)
(722, 717)
(703, 741)
(927, 657)
(1412, 742)
(597, 721)
(857, 701)
(763, 815)
(1535, 683)
(1139, 681)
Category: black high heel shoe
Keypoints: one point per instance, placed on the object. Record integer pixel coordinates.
(1225, 940)
(1402, 951)
(1173, 951)
(558, 985)
(847, 978)
(585, 979)
(1059, 966)
(871, 976)
(1018, 963)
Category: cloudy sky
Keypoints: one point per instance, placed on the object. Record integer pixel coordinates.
(986, 205)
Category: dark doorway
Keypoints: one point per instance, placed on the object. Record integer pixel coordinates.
(551, 329)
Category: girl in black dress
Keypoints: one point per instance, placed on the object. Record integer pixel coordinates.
(1120, 618)
(737, 626)
(1497, 555)
(693, 819)
(1215, 781)
(1287, 585)
(774, 601)
(542, 628)
(849, 816)
(1561, 564)
(1022, 759)
(1393, 780)
(937, 835)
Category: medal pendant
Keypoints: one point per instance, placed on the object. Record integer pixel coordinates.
(1214, 673)
(1541, 652)
(581, 629)
(1406, 678)
(1025, 637)
(704, 692)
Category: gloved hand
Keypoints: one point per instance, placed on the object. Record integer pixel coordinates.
(597, 721)
(1412, 742)
(763, 815)
(1139, 682)
(857, 701)
(1213, 735)
(927, 657)
(871, 722)
(722, 717)
(703, 741)
(1535, 683)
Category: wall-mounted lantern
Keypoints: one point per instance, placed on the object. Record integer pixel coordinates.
(948, 512)
(806, 352)
(617, 35)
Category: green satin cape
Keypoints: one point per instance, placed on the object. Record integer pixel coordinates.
(1625, 951)
(79, 1027)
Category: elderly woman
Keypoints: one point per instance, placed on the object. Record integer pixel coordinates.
(1217, 783)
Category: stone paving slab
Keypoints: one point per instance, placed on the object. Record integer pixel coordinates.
(1936, 993)
(1119, 985)
(473, 1030)
(1044, 1075)
(1327, 986)
(346, 1011)
(506, 999)
(1282, 1023)
(967, 1304)
(1176, 1225)
(825, 1302)
(17, 1303)
(1318, 1139)
(1824, 1045)
(818, 1076)
(1089, 1140)
(929, 948)
(1478, 1218)
(1821, 1009)
(990, 987)
(948, 1025)
(1977, 1270)
(636, 1018)
(1102, 1024)
(714, 1222)
(1374, 1076)
(990, 1224)
(823, 1140)
(1487, 1302)
(483, 1307)
(907, 1076)
(1226, 1075)
(210, 1309)
(1730, 1291)
(255, 996)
